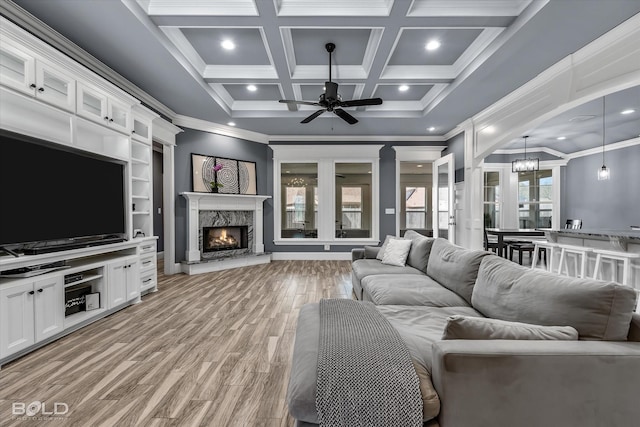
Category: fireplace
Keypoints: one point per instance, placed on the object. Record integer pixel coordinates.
(225, 238)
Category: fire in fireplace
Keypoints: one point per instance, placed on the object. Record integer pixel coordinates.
(224, 238)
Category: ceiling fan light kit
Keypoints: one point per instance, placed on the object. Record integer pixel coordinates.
(331, 100)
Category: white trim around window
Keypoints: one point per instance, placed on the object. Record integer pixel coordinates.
(326, 157)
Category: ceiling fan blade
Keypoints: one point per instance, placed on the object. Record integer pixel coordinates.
(313, 116)
(291, 101)
(345, 116)
(330, 90)
(361, 102)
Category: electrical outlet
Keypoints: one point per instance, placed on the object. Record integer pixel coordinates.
(327, 247)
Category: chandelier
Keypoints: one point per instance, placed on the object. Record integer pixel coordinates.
(297, 182)
(526, 164)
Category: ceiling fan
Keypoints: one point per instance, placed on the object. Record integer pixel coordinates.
(331, 100)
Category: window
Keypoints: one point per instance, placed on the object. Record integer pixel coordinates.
(535, 199)
(416, 207)
(353, 200)
(415, 196)
(319, 199)
(492, 199)
(299, 200)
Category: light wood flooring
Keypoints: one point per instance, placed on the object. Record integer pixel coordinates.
(212, 349)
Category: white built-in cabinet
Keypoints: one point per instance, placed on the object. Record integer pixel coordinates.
(30, 311)
(124, 280)
(24, 71)
(46, 95)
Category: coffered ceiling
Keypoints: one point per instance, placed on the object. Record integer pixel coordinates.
(435, 63)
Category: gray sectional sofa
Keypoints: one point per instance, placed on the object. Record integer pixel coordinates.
(493, 343)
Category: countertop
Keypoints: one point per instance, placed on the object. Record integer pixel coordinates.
(627, 234)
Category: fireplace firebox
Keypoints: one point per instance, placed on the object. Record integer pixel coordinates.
(225, 238)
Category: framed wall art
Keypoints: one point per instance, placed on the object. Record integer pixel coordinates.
(211, 174)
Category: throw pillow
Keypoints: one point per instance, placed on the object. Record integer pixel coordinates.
(384, 246)
(479, 328)
(396, 252)
(371, 252)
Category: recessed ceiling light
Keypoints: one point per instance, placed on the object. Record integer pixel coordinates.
(432, 45)
(561, 138)
(228, 44)
(629, 111)
(418, 166)
(252, 88)
(231, 123)
(403, 88)
(431, 129)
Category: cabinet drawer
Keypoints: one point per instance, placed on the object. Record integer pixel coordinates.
(148, 263)
(148, 281)
(149, 247)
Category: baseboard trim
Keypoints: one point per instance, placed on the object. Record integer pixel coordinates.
(310, 256)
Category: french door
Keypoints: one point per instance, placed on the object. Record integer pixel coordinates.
(444, 219)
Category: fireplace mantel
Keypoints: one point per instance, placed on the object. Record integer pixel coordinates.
(197, 202)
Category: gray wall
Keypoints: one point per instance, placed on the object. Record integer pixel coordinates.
(197, 142)
(455, 145)
(612, 204)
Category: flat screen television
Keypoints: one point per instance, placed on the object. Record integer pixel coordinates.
(52, 194)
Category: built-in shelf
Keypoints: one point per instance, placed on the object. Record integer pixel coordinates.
(139, 161)
(140, 213)
(83, 280)
(135, 196)
(135, 178)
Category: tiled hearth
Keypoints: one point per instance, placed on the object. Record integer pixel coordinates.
(223, 210)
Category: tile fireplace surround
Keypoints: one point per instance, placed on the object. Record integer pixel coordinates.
(201, 205)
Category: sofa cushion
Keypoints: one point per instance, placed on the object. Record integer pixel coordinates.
(420, 250)
(420, 328)
(598, 310)
(408, 289)
(454, 267)
(396, 252)
(362, 268)
(477, 328)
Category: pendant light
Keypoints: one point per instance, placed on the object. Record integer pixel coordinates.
(526, 164)
(603, 172)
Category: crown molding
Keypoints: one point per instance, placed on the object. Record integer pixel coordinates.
(609, 147)
(50, 36)
(547, 150)
(355, 138)
(206, 126)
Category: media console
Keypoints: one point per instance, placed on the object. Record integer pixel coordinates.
(72, 289)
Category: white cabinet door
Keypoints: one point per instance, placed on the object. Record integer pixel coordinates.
(16, 318)
(117, 284)
(133, 280)
(123, 281)
(17, 69)
(49, 307)
(55, 87)
(119, 116)
(91, 104)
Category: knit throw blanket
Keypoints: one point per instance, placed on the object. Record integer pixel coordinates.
(365, 374)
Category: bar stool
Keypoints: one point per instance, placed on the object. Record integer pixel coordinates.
(614, 257)
(542, 247)
(578, 251)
